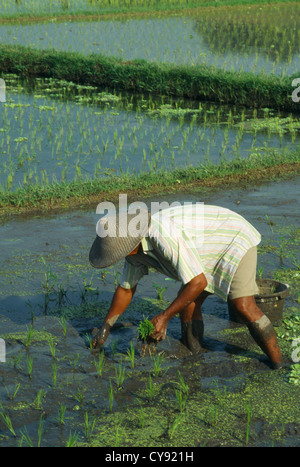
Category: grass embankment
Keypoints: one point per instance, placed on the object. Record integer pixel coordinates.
(197, 82)
(83, 192)
(66, 11)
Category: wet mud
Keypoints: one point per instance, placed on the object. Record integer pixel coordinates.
(55, 392)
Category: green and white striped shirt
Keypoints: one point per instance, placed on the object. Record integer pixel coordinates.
(184, 242)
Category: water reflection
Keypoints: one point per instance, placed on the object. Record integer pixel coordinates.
(269, 31)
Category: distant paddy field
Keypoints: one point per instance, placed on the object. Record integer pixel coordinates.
(257, 39)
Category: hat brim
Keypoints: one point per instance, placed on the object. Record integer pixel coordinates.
(108, 250)
(102, 259)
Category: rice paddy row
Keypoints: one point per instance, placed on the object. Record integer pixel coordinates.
(46, 142)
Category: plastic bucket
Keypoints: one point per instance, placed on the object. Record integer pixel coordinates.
(270, 300)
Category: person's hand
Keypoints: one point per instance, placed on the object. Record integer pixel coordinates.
(99, 337)
(160, 322)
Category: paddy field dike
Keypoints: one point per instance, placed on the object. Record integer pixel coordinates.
(164, 101)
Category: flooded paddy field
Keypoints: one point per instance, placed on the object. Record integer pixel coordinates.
(56, 131)
(262, 39)
(55, 392)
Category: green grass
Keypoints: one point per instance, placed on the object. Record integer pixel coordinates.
(138, 76)
(35, 9)
(259, 166)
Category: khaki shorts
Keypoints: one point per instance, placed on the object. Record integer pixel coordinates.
(244, 281)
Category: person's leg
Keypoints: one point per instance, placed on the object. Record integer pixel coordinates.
(241, 299)
(260, 328)
(192, 326)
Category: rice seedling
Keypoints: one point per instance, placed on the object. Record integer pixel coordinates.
(72, 440)
(99, 364)
(284, 243)
(260, 272)
(175, 424)
(114, 347)
(52, 346)
(269, 222)
(63, 323)
(62, 297)
(131, 355)
(61, 413)
(39, 398)
(120, 375)
(141, 416)
(160, 291)
(40, 430)
(296, 262)
(26, 437)
(16, 390)
(54, 373)
(181, 398)
(48, 275)
(90, 341)
(75, 361)
(29, 365)
(79, 397)
(28, 303)
(157, 364)
(181, 393)
(8, 423)
(182, 383)
(145, 330)
(29, 337)
(119, 432)
(16, 361)
(111, 396)
(89, 426)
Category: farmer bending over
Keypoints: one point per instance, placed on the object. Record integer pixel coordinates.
(211, 250)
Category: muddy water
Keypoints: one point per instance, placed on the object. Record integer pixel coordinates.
(38, 292)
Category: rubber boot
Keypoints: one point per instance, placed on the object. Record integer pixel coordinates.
(100, 336)
(192, 334)
(264, 335)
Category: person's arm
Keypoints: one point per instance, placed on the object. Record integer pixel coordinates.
(190, 292)
(121, 299)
